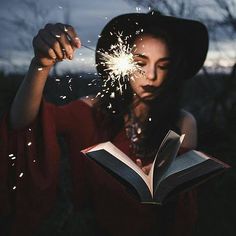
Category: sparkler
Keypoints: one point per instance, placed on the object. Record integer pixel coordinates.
(119, 63)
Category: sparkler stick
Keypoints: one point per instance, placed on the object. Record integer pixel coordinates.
(85, 46)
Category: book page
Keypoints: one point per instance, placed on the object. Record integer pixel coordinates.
(164, 157)
(185, 161)
(116, 152)
(186, 172)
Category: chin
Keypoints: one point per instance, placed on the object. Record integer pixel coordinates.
(148, 97)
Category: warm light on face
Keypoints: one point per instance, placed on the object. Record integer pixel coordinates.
(153, 57)
(140, 65)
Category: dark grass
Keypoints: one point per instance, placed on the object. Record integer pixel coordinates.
(212, 102)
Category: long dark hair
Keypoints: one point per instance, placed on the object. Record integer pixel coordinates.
(165, 108)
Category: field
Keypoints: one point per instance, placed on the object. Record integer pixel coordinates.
(211, 99)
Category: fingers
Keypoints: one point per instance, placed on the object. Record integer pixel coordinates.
(71, 34)
(56, 42)
(41, 47)
(139, 163)
(146, 169)
(62, 39)
(52, 43)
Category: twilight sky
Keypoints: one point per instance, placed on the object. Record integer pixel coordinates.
(87, 16)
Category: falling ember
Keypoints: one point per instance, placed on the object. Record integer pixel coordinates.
(119, 62)
(109, 106)
(112, 95)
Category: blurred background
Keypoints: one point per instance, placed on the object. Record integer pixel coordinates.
(210, 96)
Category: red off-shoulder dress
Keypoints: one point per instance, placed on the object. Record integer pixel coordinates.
(29, 163)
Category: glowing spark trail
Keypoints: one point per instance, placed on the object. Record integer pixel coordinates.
(119, 63)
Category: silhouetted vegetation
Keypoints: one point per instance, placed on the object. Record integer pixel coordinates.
(211, 99)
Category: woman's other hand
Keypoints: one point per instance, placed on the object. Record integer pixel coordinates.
(145, 168)
(55, 42)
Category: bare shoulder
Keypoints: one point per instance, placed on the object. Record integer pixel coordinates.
(89, 100)
(188, 126)
(186, 119)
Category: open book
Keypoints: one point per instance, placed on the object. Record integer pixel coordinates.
(169, 174)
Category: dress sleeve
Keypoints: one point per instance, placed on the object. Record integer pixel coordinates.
(70, 117)
(29, 161)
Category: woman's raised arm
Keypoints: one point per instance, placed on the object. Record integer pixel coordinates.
(54, 43)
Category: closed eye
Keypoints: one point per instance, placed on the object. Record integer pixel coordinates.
(166, 67)
(141, 64)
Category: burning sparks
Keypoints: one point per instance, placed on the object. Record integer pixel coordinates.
(119, 63)
(12, 156)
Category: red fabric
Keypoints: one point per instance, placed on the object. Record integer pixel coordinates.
(117, 211)
(36, 155)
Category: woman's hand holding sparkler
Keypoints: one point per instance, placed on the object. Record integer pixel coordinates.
(53, 43)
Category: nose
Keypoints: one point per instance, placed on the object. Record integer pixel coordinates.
(151, 73)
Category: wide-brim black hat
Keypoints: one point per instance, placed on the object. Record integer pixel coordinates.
(190, 35)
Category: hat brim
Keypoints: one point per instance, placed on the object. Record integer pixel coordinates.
(190, 34)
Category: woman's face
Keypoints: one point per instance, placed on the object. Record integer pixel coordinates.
(153, 56)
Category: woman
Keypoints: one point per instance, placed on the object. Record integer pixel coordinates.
(167, 50)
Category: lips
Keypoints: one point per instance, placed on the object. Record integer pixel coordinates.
(150, 88)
